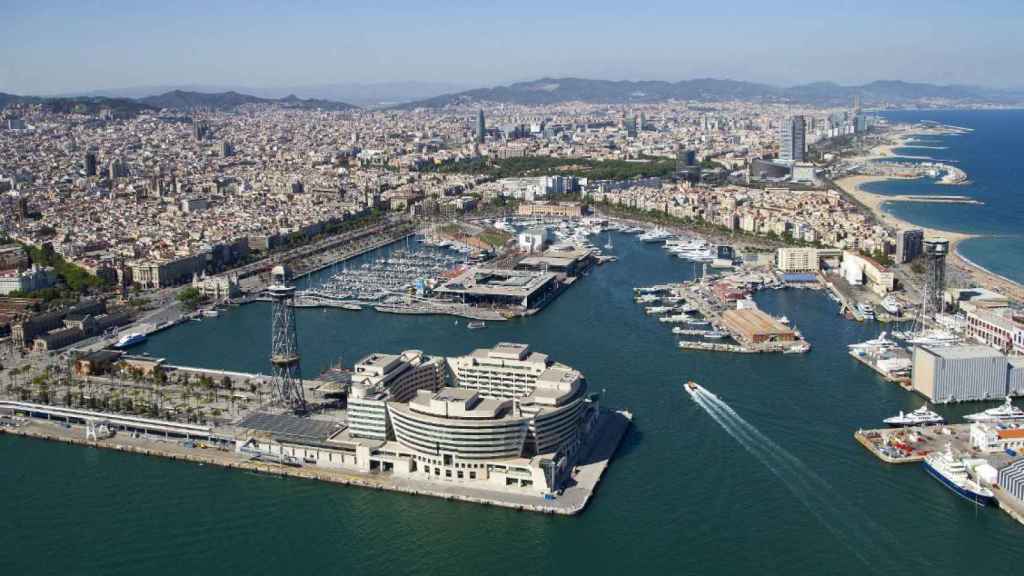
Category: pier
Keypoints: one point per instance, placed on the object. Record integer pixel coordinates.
(595, 457)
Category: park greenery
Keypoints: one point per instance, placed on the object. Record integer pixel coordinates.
(190, 298)
(549, 166)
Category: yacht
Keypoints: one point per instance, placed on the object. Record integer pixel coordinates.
(866, 310)
(130, 339)
(1007, 411)
(714, 335)
(920, 417)
(655, 235)
(891, 305)
(933, 337)
(880, 343)
(945, 467)
(476, 325)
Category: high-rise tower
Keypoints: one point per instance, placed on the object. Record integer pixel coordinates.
(481, 127)
(935, 250)
(284, 354)
(792, 139)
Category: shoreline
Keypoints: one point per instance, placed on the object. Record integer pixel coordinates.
(875, 203)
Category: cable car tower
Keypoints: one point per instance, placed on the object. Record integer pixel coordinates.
(284, 352)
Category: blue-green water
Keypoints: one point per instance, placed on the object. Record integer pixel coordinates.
(681, 497)
(991, 157)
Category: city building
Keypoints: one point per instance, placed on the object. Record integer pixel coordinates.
(861, 270)
(35, 278)
(792, 139)
(534, 240)
(797, 260)
(381, 378)
(481, 127)
(1000, 330)
(945, 374)
(909, 244)
(553, 209)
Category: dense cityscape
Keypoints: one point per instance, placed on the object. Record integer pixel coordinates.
(461, 295)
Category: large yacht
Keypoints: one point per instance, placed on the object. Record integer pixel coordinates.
(945, 467)
(1007, 411)
(920, 417)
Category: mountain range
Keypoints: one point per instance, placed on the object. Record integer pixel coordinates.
(557, 90)
(543, 91)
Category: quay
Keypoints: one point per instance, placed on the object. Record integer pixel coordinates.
(871, 362)
(596, 454)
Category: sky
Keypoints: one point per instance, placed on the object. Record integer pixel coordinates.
(60, 47)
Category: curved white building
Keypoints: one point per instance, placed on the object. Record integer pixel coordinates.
(459, 423)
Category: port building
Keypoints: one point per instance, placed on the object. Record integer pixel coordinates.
(380, 378)
(958, 373)
(752, 326)
(496, 287)
(1011, 479)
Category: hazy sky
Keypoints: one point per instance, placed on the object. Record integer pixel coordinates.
(57, 47)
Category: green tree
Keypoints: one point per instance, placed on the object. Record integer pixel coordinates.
(190, 298)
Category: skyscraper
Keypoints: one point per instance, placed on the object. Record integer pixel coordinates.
(89, 163)
(481, 127)
(792, 139)
(909, 244)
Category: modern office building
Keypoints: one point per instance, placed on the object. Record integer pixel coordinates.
(909, 244)
(793, 139)
(959, 373)
(481, 127)
(381, 378)
(90, 163)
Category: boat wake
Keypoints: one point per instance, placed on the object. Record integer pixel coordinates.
(846, 522)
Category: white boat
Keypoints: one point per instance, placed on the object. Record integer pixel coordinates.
(1006, 411)
(866, 310)
(784, 320)
(476, 325)
(933, 337)
(130, 339)
(692, 388)
(920, 417)
(714, 335)
(698, 322)
(655, 235)
(676, 319)
(654, 310)
(880, 343)
(891, 305)
(947, 468)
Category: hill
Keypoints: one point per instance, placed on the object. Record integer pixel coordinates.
(556, 90)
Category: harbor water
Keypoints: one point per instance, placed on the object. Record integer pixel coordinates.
(990, 154)
(768, 480)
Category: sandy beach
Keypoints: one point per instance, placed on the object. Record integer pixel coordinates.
(853, 185)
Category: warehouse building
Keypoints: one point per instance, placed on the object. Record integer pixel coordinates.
(752, 326)
(958, 373)
(1011, 479)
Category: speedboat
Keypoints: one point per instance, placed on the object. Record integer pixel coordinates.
(945, 467)
(692, 388)
(1007, 411)
(920, 417)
